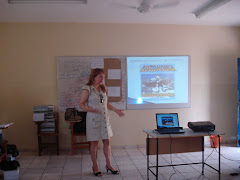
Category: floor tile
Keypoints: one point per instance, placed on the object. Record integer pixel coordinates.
(34, 170)
(53, 170)
(130, 173)
(137, 177)
(174, 176)
(185, 169)
(127, 167)
(51, 176)
(71, 175)
(152, 177)
(112, 177)
(27, 176)
(124, 162)
(194, 175)
(55, 164)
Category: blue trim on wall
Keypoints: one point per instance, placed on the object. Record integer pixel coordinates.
(238, 122)
(238, 132)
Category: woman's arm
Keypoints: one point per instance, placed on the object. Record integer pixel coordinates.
(83, 102)
(119, 112)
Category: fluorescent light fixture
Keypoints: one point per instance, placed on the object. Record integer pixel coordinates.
(209, 6)
(47, 1)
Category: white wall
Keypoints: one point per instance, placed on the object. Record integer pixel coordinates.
(28, 74)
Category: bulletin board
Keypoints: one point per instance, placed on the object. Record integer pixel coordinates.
(73, 73)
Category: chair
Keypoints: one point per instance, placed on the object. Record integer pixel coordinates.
(3, 147)
(78, 129)
(46, 135)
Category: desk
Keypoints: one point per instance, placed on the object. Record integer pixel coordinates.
(177, 143)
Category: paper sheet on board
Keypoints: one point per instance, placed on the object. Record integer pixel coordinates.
(114, 91)
(114, 74)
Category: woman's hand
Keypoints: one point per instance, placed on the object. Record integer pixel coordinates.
(90, 109)
(119, 112)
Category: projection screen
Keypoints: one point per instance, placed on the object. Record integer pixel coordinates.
(158, 82)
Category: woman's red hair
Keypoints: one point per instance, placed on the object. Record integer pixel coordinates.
(93, 74)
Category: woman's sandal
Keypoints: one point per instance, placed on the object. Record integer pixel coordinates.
(113, 172)
(97, 174)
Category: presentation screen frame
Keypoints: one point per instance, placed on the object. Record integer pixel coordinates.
(178, 71)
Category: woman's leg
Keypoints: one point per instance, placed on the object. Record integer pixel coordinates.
(107, 152)
(93, 153)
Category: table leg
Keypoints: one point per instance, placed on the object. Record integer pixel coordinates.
(203, 155)
(148, 157)
(157, 162)
(219, 157)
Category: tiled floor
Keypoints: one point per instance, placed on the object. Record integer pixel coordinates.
(131, 162)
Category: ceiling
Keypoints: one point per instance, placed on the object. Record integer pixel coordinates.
(121, 11)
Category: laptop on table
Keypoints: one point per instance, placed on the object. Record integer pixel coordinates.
(168, 123)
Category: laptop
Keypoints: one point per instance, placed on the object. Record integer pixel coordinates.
(168, 123)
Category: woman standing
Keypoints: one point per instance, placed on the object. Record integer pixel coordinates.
(94, 102)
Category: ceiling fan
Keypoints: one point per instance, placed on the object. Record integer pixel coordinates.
(148, 5)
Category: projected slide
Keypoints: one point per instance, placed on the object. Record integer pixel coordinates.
(158, 82)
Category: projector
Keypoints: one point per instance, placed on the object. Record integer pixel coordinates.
(201, 126)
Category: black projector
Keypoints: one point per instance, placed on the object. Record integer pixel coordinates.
(201, 126)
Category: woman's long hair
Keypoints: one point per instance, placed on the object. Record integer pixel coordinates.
(93, 74)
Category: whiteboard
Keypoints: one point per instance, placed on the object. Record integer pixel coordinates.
(73, 73)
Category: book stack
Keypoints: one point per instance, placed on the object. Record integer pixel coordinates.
(46, 114)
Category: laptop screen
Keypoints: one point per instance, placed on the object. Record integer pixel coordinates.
(167, 120)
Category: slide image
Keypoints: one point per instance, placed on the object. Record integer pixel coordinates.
(157, 85)
(167, 121)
